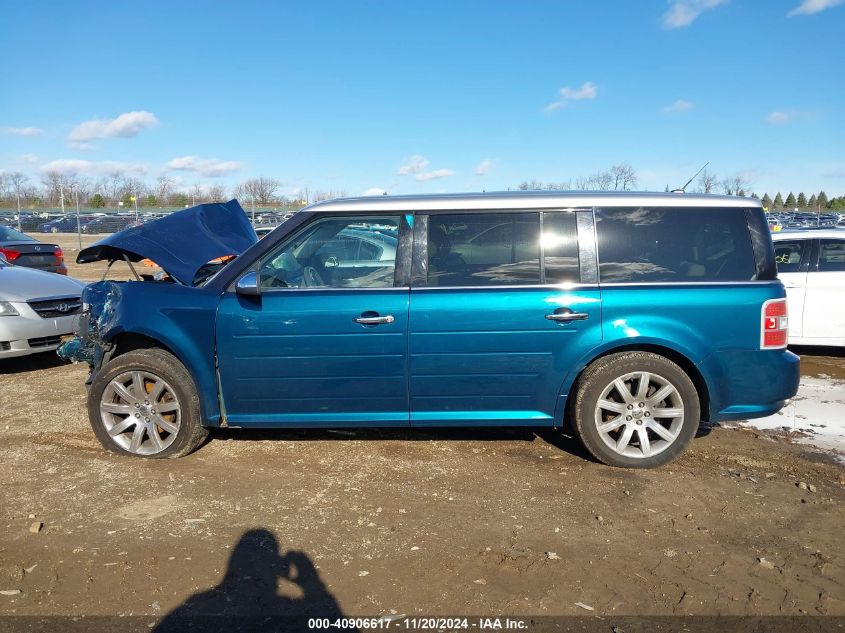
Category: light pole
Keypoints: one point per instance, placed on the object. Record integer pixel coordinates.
(18, 191)
(78, 227)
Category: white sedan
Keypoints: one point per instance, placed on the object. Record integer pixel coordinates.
(811, 264)
(37, 308)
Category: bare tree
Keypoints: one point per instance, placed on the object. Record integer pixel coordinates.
(707, 181)
(258, 190)
(17, 181)
(735, 185)
(164, 188)
(328, 194)
(53, 182)
(623, 177)
(216, 193)
(115, 185)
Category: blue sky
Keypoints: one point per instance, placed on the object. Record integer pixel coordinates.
(430, 96)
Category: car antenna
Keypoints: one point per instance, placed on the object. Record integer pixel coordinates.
(684, 188)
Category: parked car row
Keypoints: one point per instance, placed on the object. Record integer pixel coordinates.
(782, 220)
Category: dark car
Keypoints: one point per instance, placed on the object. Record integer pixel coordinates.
(66, 224)
(22, 250)
(108, 224)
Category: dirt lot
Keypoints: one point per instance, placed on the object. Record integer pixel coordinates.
(408, 522)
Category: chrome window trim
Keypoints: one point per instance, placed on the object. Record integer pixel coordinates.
(562, 287)
(266, 291)
(529, 200)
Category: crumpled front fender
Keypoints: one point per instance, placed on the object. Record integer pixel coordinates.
(97, 317)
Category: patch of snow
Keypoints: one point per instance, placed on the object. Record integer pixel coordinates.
(818, 410)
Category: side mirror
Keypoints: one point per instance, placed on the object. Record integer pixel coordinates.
(248, 285)
(331, 262)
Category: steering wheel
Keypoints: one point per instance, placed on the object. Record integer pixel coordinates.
(311, 278)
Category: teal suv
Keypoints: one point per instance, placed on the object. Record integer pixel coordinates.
(627, 318)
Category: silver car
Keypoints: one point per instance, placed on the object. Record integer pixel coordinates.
(37, 308)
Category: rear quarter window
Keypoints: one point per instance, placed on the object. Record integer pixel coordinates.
(832, 256)
(642, 245)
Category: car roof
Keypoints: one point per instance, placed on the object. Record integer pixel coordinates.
(808, 233)
(530, 200)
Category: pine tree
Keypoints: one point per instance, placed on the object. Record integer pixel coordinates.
(778, 202)
(812, 202)
(802, 201)
(822, 201)
(767, 202)
(790, 201)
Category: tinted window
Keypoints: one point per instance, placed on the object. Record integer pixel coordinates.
(831, 255)
(349, 252)
(560, 247)
(488, 249)
(788, 255)
(653, 245)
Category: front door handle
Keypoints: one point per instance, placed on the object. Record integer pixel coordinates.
(370, 318)
(564, 315)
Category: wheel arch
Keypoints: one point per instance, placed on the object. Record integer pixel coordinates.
(680, 359)
(132, 340)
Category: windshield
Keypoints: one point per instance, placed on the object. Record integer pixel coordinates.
(8, 234)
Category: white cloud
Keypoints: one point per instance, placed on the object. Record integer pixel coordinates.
(414, 165)
(207, 167)
(374, 191)
(587, 91)
(680, 105)
(28, 158)
(811, 7)
(434, 174)
(780, 117)
(484, 166)
(94, 168)
(126, 125)
(682, 13)
(23, 131)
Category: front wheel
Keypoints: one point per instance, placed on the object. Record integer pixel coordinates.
(145, 403)
(636, 410)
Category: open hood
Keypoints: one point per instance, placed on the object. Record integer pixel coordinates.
(182, 242)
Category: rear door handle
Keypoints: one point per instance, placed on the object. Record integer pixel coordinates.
(374, 320)
(564, 315)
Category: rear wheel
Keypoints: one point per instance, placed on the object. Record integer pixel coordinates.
(145, 403)
(636, 410)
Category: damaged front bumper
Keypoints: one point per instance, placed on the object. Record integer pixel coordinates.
(88, 345)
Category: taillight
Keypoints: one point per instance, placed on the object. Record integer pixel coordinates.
(57, 253)
(774, 324)
(10, 253)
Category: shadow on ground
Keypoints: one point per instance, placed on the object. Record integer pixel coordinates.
(263, 590)
(554, 437)
(33, 362)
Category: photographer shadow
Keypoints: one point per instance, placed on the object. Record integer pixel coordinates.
(248, 597)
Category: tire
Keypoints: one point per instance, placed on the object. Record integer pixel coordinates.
(167, 414)
(53, 229)
(611, 424)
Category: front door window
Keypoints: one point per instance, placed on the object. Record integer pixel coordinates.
(337, 252)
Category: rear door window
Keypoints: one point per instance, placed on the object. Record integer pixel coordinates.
(646, 245)
(484, 249)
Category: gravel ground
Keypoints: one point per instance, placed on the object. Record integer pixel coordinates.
(409, 522)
